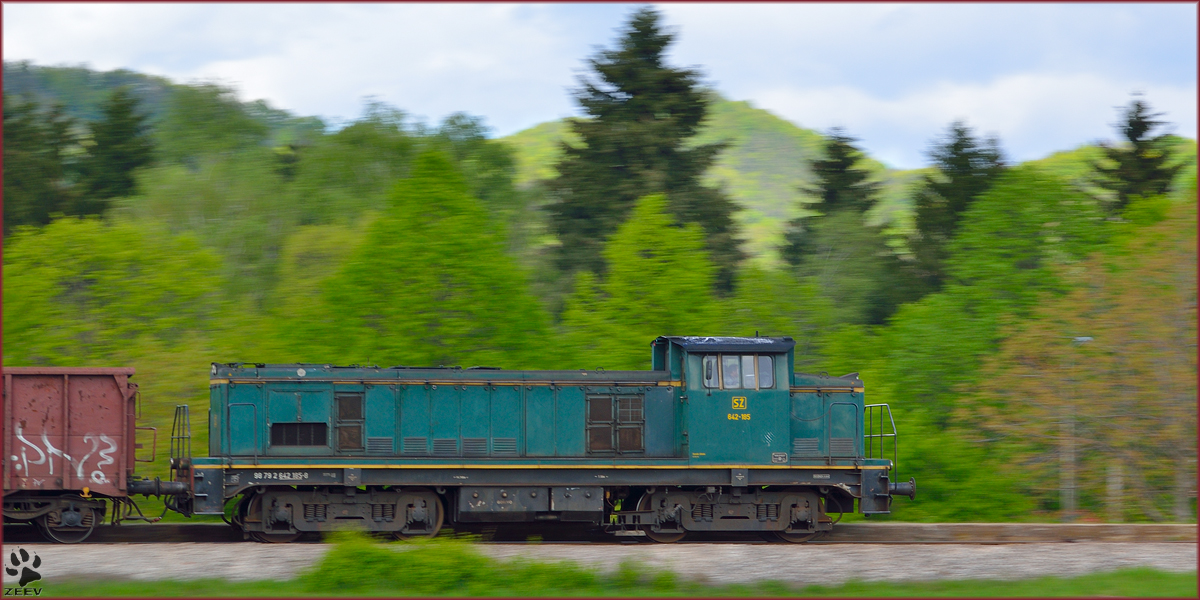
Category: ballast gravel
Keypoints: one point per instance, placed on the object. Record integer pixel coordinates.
(712, 563)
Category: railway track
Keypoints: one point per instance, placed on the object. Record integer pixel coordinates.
(846, 533)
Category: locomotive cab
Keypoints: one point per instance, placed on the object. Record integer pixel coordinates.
(736, 395)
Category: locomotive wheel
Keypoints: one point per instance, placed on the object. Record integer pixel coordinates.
(251, 511)
(796, 538)
(274, 538)
(658, 536)
(435, 504)
(238, 512)
(51, 527)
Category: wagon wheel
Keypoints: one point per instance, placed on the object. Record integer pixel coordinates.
(253, 513)
(432, 502)
(658, 536)
(52, 528)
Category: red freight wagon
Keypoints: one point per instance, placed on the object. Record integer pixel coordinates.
(69, 447)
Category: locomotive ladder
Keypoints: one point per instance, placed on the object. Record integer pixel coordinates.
(181, 439)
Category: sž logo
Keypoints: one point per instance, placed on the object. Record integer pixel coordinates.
(21, 563)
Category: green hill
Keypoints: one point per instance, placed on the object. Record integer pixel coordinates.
(1075, 165)
(762, 169)
(81, 91)
(767, 162)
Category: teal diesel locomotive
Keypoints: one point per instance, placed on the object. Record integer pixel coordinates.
(720, 435)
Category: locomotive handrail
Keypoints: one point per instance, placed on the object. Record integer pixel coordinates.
(870, 409)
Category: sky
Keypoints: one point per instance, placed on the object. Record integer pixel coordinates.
(1040, 77)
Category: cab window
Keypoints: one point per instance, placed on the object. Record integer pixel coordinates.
(731, 373)
(739, 371)
(712, 379)
(766, 372)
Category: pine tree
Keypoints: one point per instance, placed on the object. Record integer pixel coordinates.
(37, 172)
(122, 144)
(1143, 168)
(642, 114)
(966, 168)
(855, 268)
(839, 185)
(849, 260)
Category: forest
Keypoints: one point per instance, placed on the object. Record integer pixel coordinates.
(1032, 325)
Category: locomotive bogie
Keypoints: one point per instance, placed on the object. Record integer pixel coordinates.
(286, 511)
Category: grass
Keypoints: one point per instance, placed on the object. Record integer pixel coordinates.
(359, 566)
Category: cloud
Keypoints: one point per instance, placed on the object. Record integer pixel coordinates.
(510, 63)
(895, 47)
(1044, 77)
(1032, 114)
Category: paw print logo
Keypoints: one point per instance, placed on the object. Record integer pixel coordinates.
(23, 566)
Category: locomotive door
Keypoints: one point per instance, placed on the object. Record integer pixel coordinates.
(738, 410)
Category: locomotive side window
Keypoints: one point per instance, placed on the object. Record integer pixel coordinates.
(615, 426)
(299, 434)
(350, 421)
(739, 371)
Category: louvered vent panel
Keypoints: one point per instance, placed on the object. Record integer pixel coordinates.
(841, 446)
(504, 446)
(474, 446)
(805, 447)
(379, 445)
(445, 447)
(416, 446)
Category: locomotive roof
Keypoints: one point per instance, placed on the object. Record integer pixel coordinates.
(402, 373)
(693, 343)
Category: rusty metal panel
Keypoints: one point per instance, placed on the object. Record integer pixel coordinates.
(68, 428)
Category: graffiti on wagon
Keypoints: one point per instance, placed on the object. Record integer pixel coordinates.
(97, 476)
